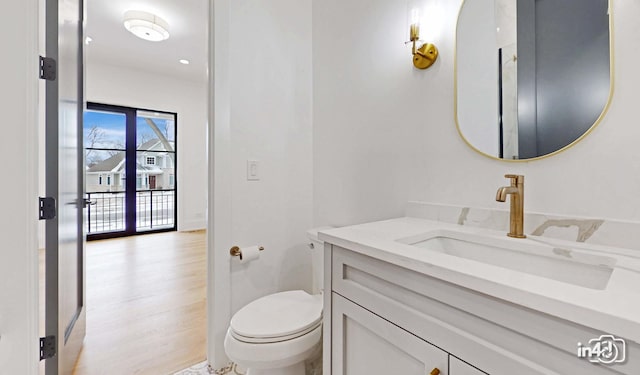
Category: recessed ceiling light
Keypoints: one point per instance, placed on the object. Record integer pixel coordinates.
(88, 40)
(146, 25)
(185, 62)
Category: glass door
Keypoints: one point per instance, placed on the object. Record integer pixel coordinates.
(130, 171)
(105, 140)
(156, 171)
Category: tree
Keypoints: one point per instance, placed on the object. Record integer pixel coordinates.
(95, 138)
(144, 138)
(168, 129)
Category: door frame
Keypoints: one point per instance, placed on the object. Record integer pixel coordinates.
(20, 330)
(219, 210)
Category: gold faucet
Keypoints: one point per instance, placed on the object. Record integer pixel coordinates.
(516, 190)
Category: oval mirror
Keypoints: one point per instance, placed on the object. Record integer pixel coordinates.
(532, 77)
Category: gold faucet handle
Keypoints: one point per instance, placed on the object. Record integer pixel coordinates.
(515, 178)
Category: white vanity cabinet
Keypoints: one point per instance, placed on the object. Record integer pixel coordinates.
(381, 318)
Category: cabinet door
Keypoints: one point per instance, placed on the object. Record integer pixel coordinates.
(364, 343)
(457, 367)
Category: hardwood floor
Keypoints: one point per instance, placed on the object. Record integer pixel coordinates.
(146, 311)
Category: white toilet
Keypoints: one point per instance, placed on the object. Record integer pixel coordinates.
(275, 334)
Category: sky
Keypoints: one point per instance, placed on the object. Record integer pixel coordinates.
(113, 129)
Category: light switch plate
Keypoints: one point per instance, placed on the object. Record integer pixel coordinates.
(253, 170)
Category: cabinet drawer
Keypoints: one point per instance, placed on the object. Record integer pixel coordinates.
(497, 336)
(364, 343)
(458, 367)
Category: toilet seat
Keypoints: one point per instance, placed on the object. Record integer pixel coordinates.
(268, 340)
(277, 317)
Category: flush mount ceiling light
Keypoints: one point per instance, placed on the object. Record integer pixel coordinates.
(146, 25)
(184, 62)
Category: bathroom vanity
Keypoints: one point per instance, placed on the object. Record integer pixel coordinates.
(410, 295)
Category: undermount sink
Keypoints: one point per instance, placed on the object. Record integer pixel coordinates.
(527, 256)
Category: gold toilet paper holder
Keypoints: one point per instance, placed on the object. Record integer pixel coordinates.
(236, 252)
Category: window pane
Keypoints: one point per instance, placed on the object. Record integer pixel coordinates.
(105, 170)
(155, 185)
(105, 130)
(105, 189)
(154, 170)
(155, 131)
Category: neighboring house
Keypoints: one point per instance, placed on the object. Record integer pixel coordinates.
(155, 170)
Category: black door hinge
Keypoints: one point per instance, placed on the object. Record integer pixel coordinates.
(47, 208)
(47, 347)
(48, 68)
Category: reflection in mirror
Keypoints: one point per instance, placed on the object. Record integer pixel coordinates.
(532, 76)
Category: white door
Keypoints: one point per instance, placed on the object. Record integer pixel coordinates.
(65, 294)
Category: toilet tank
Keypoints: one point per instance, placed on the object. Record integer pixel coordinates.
(317, 258)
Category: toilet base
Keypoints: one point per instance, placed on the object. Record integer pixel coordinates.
(295, 369)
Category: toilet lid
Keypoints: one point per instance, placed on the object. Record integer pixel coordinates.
(278, 315)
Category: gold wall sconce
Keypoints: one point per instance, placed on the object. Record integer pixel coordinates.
(425, 55)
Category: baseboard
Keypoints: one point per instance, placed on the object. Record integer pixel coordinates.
(190, 226)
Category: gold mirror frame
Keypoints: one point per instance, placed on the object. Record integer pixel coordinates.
(585, 134)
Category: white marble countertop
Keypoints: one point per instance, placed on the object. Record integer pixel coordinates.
(613, 310)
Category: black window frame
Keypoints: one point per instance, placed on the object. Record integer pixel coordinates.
(131, 151)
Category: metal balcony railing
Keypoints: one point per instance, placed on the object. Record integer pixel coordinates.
(106, 212)
(155, 209)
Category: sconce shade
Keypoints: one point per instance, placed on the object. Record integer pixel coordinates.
(425, 55)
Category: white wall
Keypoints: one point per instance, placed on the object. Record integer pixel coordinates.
(385, 133)
(19, 222)
(270, 117)
(261, 69)
(374, 113)
(133, 88)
